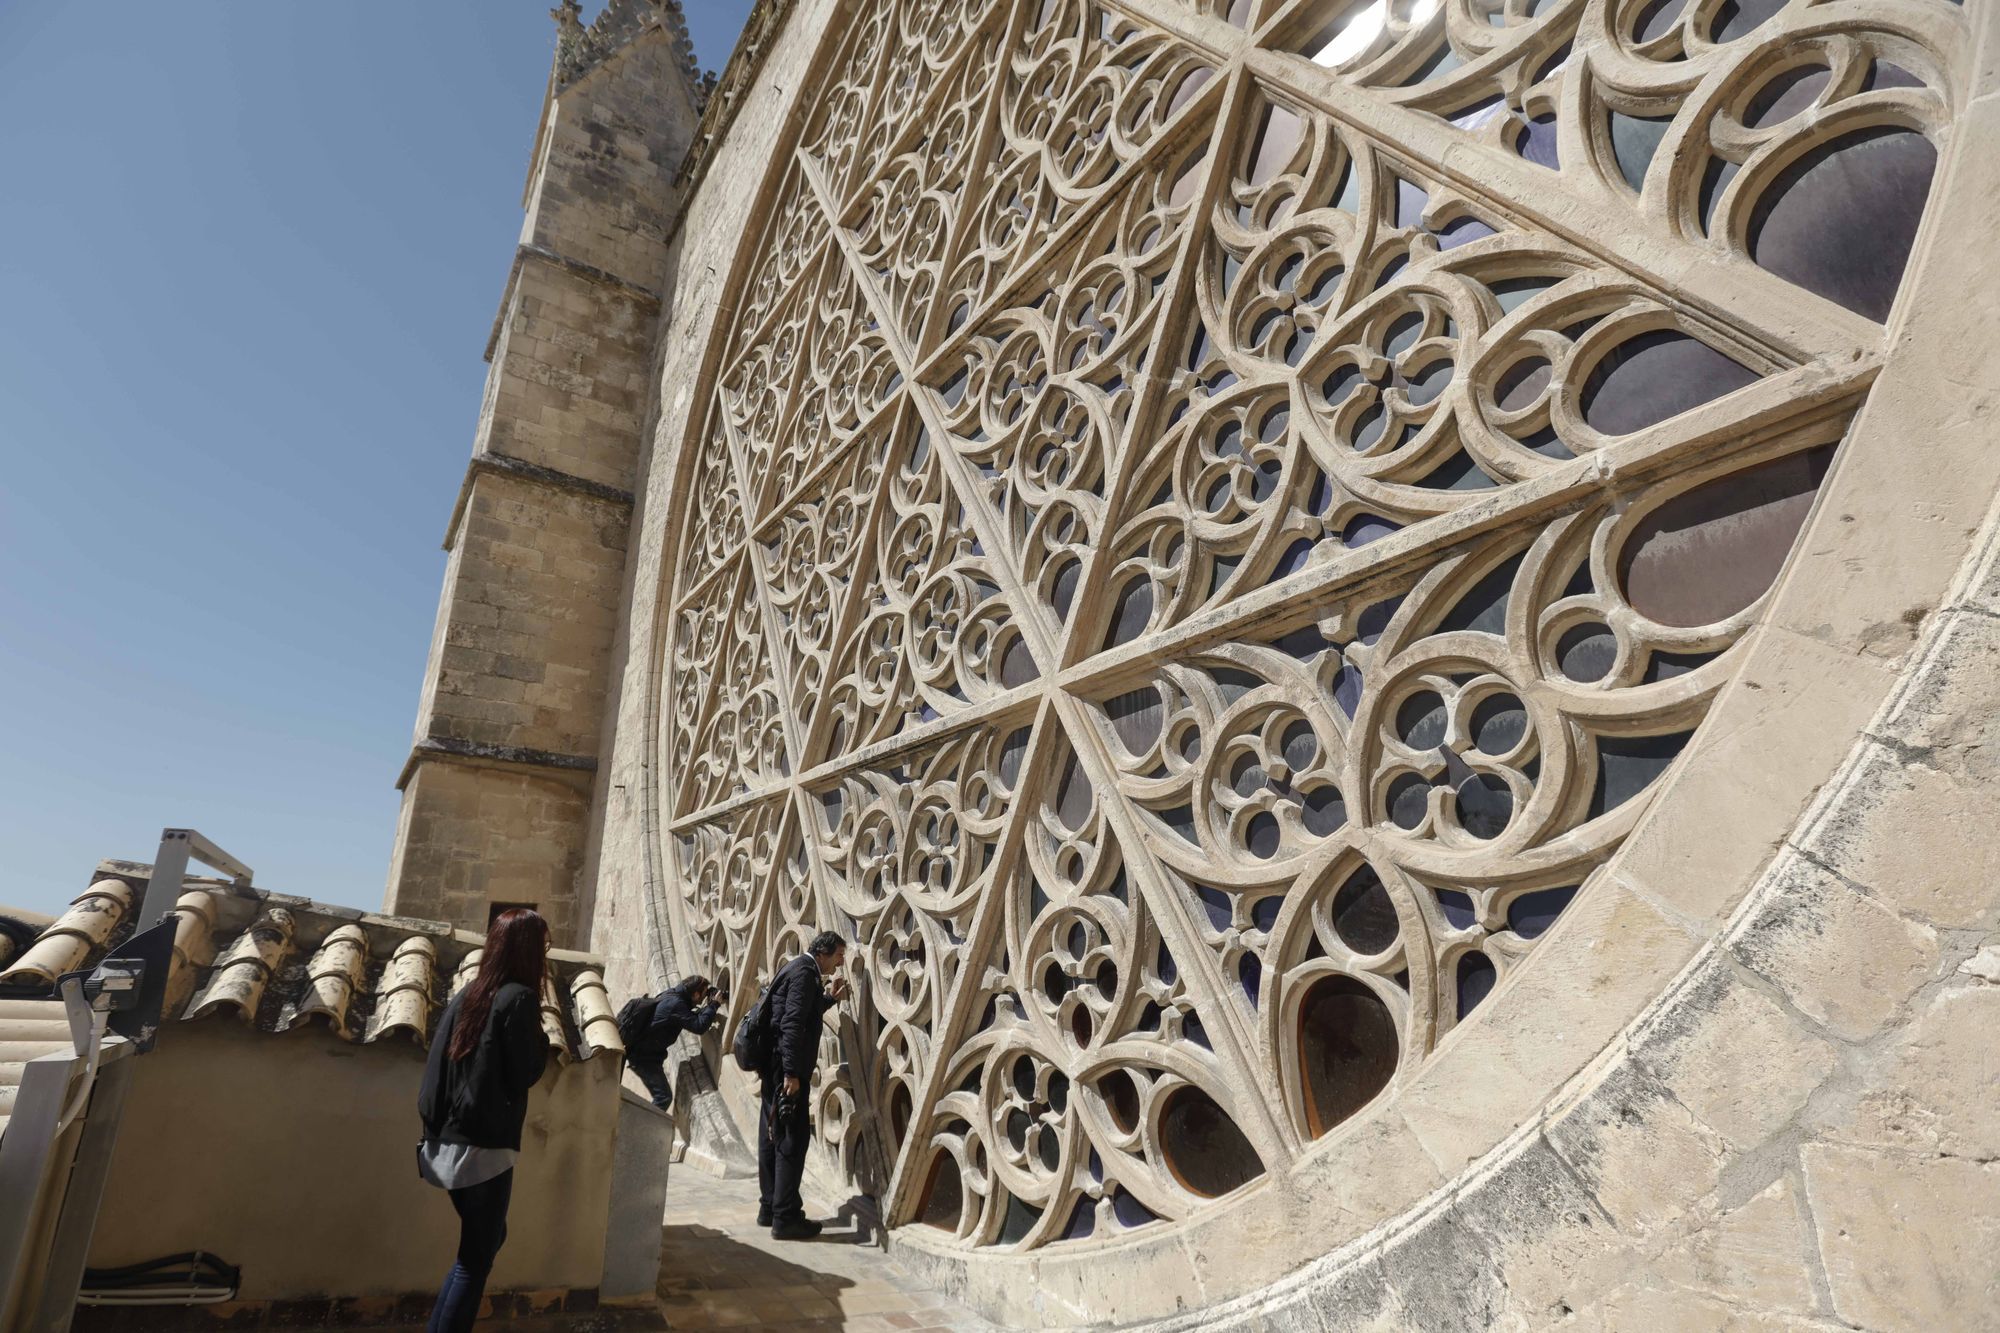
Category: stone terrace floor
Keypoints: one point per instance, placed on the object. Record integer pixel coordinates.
(719, 1269)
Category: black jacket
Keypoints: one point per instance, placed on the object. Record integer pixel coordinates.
(482, 1100)
(797, 1004)
(672, 1015)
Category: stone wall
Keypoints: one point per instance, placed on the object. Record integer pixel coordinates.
(292, 1157)
(514, 695)
(571, 372)
(528, 617)
(632, 926)
(478, 833)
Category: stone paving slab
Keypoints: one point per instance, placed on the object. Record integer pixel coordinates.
(719, 1269)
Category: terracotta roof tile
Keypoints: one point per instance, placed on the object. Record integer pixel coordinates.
(404, 996)
(468, 966)
(552, 1021)
(244, 968)
(337, 971)
(79, 933)
(194, 945)
(29, 1029)
(596, 1020)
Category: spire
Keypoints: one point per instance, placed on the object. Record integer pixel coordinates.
(580, 50)
(569, 33)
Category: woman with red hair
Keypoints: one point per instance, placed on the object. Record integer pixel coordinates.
(488, 1052)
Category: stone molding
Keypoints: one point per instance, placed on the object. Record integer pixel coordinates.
(761, 29)
(506, 465)
(528, 250)
(473, 754)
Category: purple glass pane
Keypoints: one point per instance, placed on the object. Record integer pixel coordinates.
(1658, 18)
(1462, 231)
(1536, 141)
(1841, 220)
(1531, 914)
(1739, 18)
(1704, 556)
(1410, 204)
(1522, 384)
(1787, 94)
(1476, 977)
(1658, 374)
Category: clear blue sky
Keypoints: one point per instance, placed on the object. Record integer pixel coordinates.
(249, 256)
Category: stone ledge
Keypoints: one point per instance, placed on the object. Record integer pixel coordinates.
(527, 250)
(475, 754)
(506, 465)
(542, 1311)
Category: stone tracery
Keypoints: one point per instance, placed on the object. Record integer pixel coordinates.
(1194, 585)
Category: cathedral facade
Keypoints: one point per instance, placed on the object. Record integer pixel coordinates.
(1377, 616)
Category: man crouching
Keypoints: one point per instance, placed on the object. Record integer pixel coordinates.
(798, 1000)
(651, 1024)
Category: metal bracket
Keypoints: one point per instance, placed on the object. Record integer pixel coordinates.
(178, 846)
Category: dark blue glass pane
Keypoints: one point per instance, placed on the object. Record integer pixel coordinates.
(1532, 913)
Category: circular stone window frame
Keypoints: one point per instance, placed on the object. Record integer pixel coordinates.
(1835, 637)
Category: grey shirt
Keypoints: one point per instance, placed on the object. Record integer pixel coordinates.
(457, 1166)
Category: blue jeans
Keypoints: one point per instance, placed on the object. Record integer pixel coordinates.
(482, 1229)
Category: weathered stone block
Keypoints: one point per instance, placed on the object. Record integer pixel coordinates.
(1908, 1242)
(1893, 804)
(1663, 1309)
(1549, 1242)
(1442, 1275)
(1354, 1299)
(1733, 1056)
(1935, 1089)
(1754, 1255)
(1643, 1156)
(1846, 961)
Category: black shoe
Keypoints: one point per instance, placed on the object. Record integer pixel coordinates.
(795, 1228)
(763, 1217)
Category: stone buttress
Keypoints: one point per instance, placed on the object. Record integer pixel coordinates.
(497, 788)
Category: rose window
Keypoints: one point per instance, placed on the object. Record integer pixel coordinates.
(1216, 520)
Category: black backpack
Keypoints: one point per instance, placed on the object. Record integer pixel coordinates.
(752, 1047)
(634, 1018)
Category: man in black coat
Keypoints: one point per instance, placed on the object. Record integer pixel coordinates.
(650, 1029)
(800, 995)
